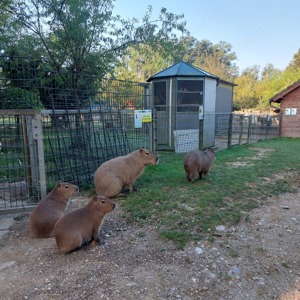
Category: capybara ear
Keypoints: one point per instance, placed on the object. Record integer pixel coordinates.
(141, 149)
(95, 198)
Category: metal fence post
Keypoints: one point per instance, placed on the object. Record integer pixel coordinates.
(241, 129)
(230, 122)
(38, 137)
(154, 130)
(201, 133)
(249, 128)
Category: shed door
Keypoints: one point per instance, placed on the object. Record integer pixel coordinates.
(160, 102)
(189, 99)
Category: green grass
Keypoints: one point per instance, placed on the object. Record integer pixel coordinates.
(183, 211)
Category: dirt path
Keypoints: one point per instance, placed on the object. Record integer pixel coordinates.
(258, 259)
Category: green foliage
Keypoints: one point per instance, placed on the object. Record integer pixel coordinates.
(17, 98)
(83, 36)
(294, 65)
(245, 93)
(142, 61)
(184, 212)
(218, 59)
(255, 92)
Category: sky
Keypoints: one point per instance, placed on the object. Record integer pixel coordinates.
(259, 31)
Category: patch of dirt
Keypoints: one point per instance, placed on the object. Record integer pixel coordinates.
(246, 161)
(257, 259)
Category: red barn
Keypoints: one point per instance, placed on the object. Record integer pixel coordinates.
(289, 101)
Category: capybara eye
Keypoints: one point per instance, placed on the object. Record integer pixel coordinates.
(147, 153)
(103, 201)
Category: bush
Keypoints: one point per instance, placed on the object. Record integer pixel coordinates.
(17, 98)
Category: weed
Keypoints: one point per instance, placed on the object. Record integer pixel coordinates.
(233, 253)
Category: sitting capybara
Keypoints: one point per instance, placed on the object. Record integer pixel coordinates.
(50, 209)
(82, 225)
(115, 174)
(198, 162)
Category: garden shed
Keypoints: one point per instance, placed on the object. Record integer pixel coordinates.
(289, 107)
(186, 100)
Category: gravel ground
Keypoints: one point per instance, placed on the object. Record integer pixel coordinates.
(258, 259)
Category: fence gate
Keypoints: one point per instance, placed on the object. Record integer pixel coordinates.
(22, 172)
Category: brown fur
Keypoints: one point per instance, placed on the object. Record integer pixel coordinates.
(198, 162)
(50, 209)
(82, 225)
(115, 174)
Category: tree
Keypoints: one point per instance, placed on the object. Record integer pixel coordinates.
(83, 36)
(269, 71)
(217, 59)
(142, 61)
(295, 63)
(75, 33)
(245, 93)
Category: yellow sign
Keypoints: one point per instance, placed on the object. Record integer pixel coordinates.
(142, 116)
(146, 116)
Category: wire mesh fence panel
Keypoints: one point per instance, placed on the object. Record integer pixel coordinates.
(20, 172)
(76, 145)
(223, 125)
(218, 130)
(85, 121)
(264, 127)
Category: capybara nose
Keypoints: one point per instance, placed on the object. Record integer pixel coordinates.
(114, 205)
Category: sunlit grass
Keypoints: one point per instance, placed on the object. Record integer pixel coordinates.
(241, 177)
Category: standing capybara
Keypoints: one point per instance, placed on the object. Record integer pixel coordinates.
(115, 174)
(50, 209)
(198, 162)
(82, 225)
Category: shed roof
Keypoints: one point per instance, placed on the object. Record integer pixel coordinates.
(278, 97)
(182, 69)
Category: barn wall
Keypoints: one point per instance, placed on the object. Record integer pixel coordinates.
(224, 98)
(290, 126)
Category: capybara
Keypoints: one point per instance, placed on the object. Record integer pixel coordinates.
(50, 209)
(120, 172)
(198, 162)
(82, 225)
